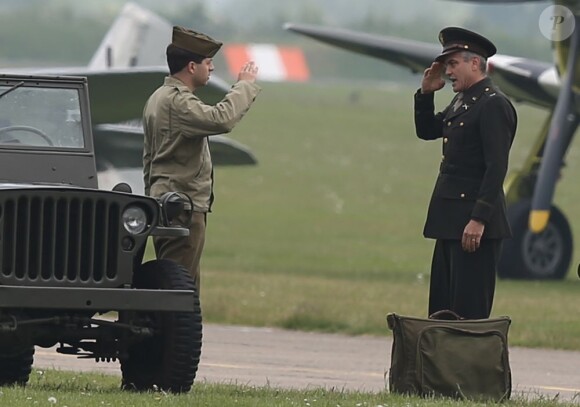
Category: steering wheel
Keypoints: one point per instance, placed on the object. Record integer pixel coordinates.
(29, 129)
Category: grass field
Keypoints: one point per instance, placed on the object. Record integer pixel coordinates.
(326, 232)
(54, 388)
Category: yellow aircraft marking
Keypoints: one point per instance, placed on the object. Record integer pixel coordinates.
(571, 390)
(539, 220)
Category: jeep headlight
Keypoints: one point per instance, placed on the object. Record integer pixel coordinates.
(134, 220)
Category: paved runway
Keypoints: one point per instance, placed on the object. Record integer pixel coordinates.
(290, 359)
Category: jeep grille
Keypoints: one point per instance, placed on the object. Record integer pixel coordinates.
(70, 239)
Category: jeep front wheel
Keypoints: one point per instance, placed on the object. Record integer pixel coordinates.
(169, 359)
(16, 368)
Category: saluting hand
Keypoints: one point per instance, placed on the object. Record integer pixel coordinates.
(433, 78)
(249, 72)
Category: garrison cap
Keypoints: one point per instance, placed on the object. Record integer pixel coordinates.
(456, 39)
(195, 42)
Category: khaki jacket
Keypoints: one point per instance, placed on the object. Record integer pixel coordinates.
(176, 124)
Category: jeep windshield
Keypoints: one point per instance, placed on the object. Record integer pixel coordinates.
(40, 117)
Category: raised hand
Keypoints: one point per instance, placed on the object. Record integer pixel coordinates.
(248, 72)
(433, 78)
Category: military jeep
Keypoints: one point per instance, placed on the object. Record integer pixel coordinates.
(72, 274)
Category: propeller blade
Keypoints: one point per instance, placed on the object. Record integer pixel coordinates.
(562, 128)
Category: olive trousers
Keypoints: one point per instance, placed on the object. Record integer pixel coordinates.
(185, 250)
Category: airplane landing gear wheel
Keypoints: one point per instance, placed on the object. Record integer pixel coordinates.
(541, 256)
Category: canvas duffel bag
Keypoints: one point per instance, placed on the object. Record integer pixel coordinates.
(458, 358)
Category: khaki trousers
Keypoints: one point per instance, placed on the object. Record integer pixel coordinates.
(186, 250)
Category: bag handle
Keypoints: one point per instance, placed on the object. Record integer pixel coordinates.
(446, 314)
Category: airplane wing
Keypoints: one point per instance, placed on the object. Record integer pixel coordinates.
(119, 94)
(523, 79)
(119, 152)
(526, 80)
(122, 145)
(414, 55)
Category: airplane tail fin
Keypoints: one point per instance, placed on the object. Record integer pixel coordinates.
(138, 37)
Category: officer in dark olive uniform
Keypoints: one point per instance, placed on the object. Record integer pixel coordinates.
(467, 212)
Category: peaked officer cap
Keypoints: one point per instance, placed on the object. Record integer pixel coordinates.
(195, 42)
(456, 39)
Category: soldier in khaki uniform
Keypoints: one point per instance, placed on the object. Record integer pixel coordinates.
(467, 212)
(176, 124)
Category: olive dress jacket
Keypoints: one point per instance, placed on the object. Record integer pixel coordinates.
(176, 123)
(477, 134)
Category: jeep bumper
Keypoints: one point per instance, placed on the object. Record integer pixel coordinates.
(97, 299)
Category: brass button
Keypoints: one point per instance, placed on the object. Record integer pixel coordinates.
(448, 124)
(461, 124)
(463, 195)
(445, 140)
(487, 89)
